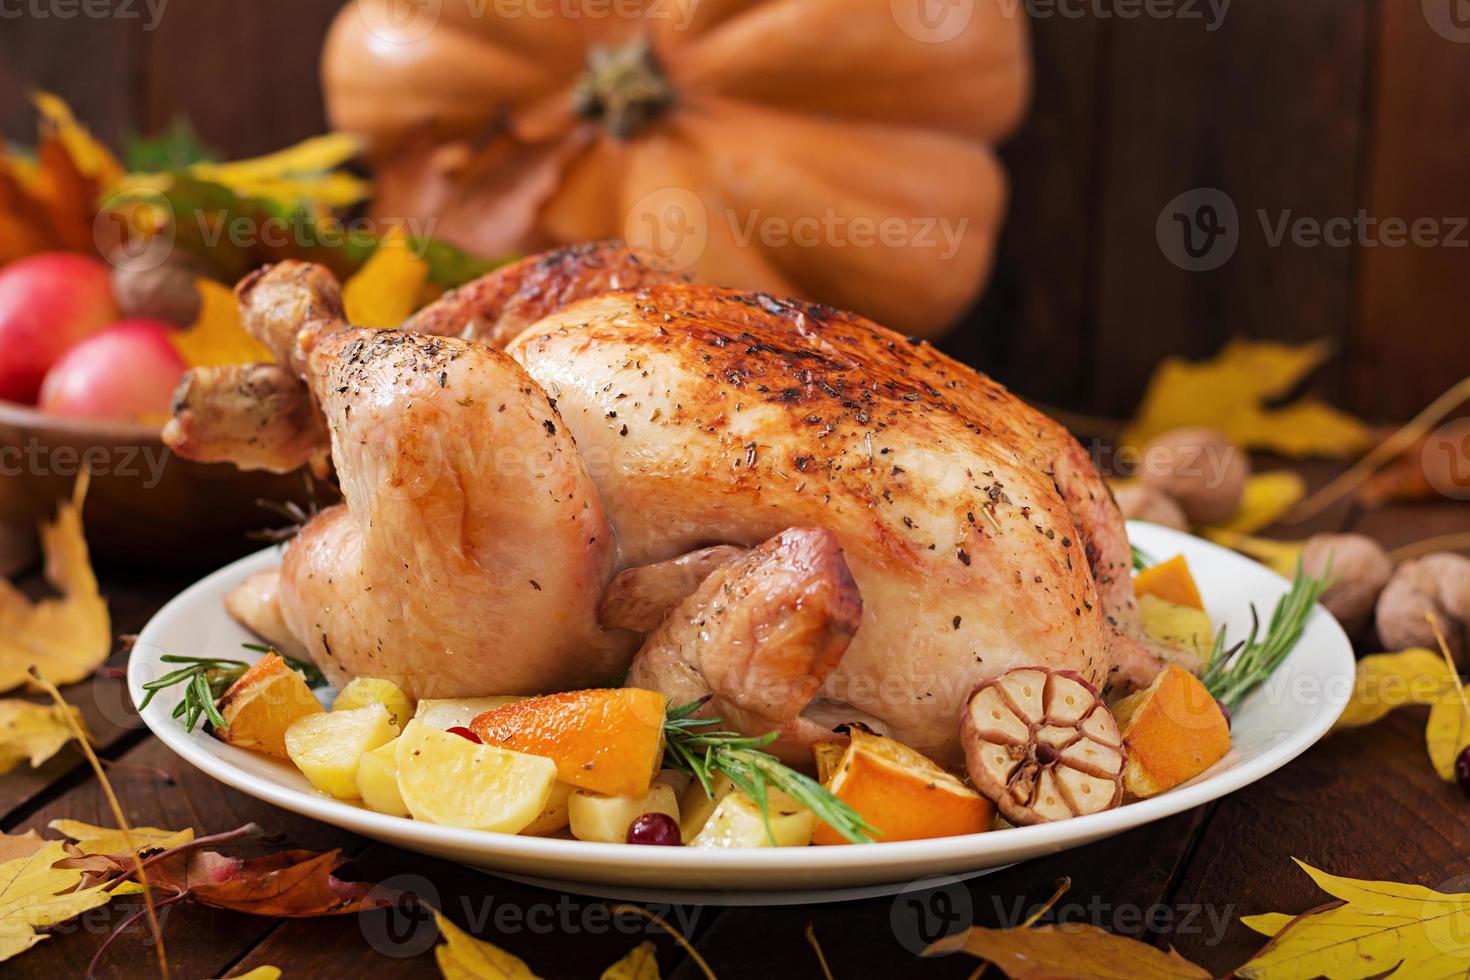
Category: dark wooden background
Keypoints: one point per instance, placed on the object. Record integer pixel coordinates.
(1320, 107)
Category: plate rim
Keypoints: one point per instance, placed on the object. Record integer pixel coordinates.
(878, 858)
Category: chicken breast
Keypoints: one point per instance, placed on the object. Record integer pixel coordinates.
(656, 432)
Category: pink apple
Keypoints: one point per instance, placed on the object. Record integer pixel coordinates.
(127, 371)
(47, 303)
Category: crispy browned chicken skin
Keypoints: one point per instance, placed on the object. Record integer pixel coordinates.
(491, 498)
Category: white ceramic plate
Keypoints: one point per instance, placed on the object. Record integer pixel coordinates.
(1278, 722)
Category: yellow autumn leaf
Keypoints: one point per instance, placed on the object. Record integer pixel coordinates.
(1386, 681)
(1279, 556)
(1071, 951)
(1382, 928)
(92, 159)
(218, 336)
(1267, 924)
(109, 840)
(259, 973)
(1448, 731)
(641, 963)
(463, 957)
(1267, 498)
(1230, 392)
(68, 636)
(34, 894)
(385, 290)
(310, 156)
(30, 732)
(305, 172)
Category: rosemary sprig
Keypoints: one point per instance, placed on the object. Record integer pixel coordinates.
(1231, 674)
(1141, 558)
(699, 747)
(204, 681)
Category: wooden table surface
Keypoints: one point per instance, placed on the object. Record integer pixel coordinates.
(1363, 803)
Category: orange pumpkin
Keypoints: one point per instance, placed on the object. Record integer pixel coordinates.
(833, 149)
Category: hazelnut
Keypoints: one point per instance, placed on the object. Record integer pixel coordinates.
(1360, 568)
(1144, 503)
(1438, 584)
(1200, 469)
(164, 293)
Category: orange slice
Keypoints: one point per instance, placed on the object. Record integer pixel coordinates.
(262, 704)
(1174, 731)
(609, 740)
(1170, 581)
(902, 793)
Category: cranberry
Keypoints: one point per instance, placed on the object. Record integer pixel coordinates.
(654, 828)
(1224, 711)
(464, 732)
(1462, 770)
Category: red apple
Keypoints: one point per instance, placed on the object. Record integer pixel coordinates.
(47, 303)
(127, 371)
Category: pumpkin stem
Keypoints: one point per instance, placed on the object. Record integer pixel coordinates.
(623, 86)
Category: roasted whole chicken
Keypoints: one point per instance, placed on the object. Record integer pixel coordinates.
(582, 464)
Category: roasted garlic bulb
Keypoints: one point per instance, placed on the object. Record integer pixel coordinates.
(1042, 746)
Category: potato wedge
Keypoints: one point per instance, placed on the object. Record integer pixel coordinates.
(377, 780)
(327, 747)
(736, 823)
(607, 818)
(363, 691)
(444, 713)
(555, 815)
(449, 780)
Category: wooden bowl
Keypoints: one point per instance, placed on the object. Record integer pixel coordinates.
(145, 506)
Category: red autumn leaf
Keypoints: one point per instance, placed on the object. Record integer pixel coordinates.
(288, 884)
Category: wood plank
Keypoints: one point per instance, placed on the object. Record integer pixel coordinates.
(1030, 329)
(1409, 343)
(558, 935)
(157, 788)
(245, 74)
(1268, 109)
(1114, 883)
(1362, 803)
(94, 63)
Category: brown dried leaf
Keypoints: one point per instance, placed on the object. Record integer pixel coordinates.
(291, 884)
(1072, 951)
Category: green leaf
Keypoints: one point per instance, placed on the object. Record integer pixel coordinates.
(174, 148)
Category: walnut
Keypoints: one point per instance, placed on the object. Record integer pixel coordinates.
(1360, 570)
(1200, 469)
(1145, 503)
(1438, 584)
